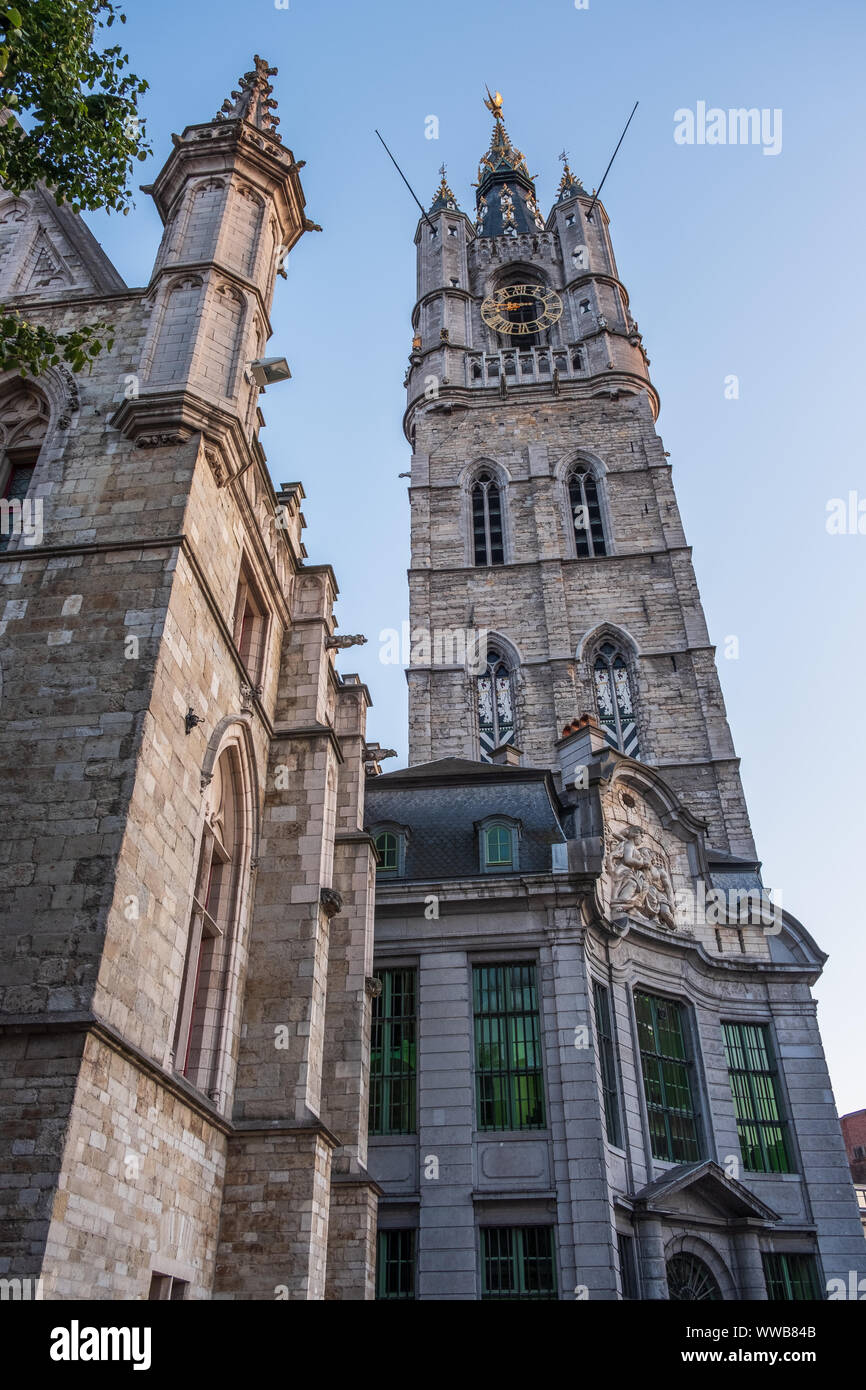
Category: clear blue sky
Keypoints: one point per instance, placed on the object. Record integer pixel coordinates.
(735, 262)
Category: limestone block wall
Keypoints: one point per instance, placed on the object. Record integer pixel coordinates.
(140, 1187)
(545, 602)
(38, 1078)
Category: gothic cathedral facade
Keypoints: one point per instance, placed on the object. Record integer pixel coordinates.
(187, 889)
(596, 1067)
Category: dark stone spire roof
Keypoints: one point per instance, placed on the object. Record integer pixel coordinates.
(443, 198)
(569, 185)
(253, 101)
(505, 200)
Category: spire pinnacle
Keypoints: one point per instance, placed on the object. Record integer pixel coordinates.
(569, 185)
(443, 197)
(494, 104)
(253, 101)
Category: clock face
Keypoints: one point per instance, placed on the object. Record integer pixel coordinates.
(521, 309)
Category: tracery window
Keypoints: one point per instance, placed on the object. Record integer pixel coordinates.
(589, 537)
(23, 427)
(495, 706)
(215, 908)
(487, 539)
(613, 696)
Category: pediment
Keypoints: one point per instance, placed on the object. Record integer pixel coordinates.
(702, 1190)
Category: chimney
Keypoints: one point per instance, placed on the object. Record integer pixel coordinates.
(581, 743)
(506, 755)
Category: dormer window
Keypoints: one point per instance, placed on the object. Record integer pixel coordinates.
(498, 851)
(498, 845)
(390, 842)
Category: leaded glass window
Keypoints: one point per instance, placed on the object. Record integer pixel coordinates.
(614, 701)
(607, 1063)
(667, 1077)
(395, 1265)
(517, 1262)
(495, 706)
(589, 537)
(23, 427)
(757, 1103)
(509, 1082)
(393, 1055)
(487, 543)
(791, 1278)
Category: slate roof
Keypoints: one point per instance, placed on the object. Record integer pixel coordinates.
(442, 803)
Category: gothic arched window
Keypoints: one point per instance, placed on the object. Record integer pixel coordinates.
(586, 516)
(23, 427)
(487, 542)
(215, 908)
(495, 706)
(614, 700)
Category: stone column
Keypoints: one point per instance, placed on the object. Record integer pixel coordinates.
(750, 1267)
(654, 1282)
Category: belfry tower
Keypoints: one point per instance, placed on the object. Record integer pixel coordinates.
(542, 505)
(595, 1029)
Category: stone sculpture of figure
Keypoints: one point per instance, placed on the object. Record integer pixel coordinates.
(659, 899)
(641, 883)
(630, 864)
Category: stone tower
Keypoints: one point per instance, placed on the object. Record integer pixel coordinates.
(186, 885)
(596, 1070)
(550, 400)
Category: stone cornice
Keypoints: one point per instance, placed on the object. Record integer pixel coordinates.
(613, 383)
(303, 732)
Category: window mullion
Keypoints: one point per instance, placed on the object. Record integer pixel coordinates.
(488, 539)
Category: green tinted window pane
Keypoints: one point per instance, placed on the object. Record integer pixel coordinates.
(393, 1055)
(517, 1263)
(395, 1265)
(388, 847)
(666, 1069)
(757, 1100)
(508, 1066)
(791, 1278)
(607, 1064)
(499, 845)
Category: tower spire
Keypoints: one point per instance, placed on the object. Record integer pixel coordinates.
(253, 101)
(505, 200)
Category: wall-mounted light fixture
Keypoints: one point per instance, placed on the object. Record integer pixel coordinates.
(267, 371)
